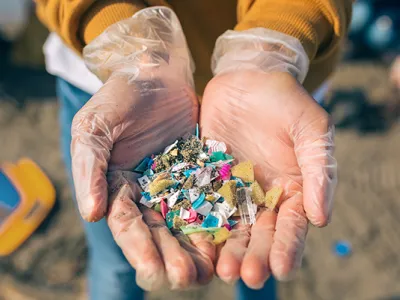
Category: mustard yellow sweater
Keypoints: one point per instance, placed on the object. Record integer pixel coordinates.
(320, 25)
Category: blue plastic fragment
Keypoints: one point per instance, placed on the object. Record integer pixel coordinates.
(149, 163)
(232, 222)
(188, 172)
(146, 195)
(210, 221)
(196, 204)
(148, 173)
(143, 166)
(176, 184)
(239, 182)
(342, 248)
(197, 131)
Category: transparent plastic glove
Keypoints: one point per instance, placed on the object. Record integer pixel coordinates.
(255, 104)
(146, 103)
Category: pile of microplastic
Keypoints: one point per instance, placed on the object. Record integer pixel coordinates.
(196, 187)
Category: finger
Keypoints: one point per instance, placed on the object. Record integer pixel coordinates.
(314, 150)
(179, 266)
(232, 253)
(90, 151)
(135, 239)
(255, 269)
(203, 252)
(289, 238)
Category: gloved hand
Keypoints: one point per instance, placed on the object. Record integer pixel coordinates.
(146, 103)
(257, 106)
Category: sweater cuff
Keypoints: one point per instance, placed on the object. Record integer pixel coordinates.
(305, 20)
(103, 14)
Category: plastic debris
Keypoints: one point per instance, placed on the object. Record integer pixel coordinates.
(244, 171)
(170, 147)
(173, 198)
(163, 208)
(195, 187)
(228, 191)
(160, 186)
(144, 182)
(225, 172)
(143, 166)
(342, 248)
(221, 235)
(246, 208)
(257, 193)
(215, 146)
(272, 197)
(204, 208)
(210, 221)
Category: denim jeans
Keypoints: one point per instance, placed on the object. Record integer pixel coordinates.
(110, 276)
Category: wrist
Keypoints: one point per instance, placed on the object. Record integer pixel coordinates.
(262, 50)
(147, 46)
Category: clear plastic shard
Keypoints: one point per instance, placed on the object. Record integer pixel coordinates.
(246, 207)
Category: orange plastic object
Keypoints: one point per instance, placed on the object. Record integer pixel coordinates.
(26, 198)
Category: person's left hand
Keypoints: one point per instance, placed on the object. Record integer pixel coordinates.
(269, 119)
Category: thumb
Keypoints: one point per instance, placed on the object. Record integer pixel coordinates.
(314, 145)
(90, 150)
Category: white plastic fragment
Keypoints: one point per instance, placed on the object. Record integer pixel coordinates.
(144, 182)
(224, 209)
(172, 198)
(184, 214)
(205, 208)
(203, 176)
(203, 156)
(170, 147)
(216, 146)
(216, 196)
(193, 195)
(221, 219)
(145, 202)
(156, 200)
(246, 208)
(179, 167)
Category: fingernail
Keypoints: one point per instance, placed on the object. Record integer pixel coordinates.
(231, 280)
(285, 277)
(258, 287)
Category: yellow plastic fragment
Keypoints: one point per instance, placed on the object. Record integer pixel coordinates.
(228, 191)
(257, 194)
(221, 236)
(161, 176)
(178, 222)
(174, 152)
(200, 163)
(158, 186)
(189, 182)
(244, 171)
(210, 198)
(272, 197)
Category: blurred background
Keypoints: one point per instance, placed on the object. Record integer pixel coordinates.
(356, 257)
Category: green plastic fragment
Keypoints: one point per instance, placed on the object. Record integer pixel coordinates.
(142, 166)
(194, 229)
(157, 207)
(170, 218)
(219, 155)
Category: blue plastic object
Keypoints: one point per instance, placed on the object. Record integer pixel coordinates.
(9, 197)
(342, 248)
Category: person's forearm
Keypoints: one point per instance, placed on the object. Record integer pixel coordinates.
(78, 22)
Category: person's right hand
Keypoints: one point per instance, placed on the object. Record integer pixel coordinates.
(147, 103)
